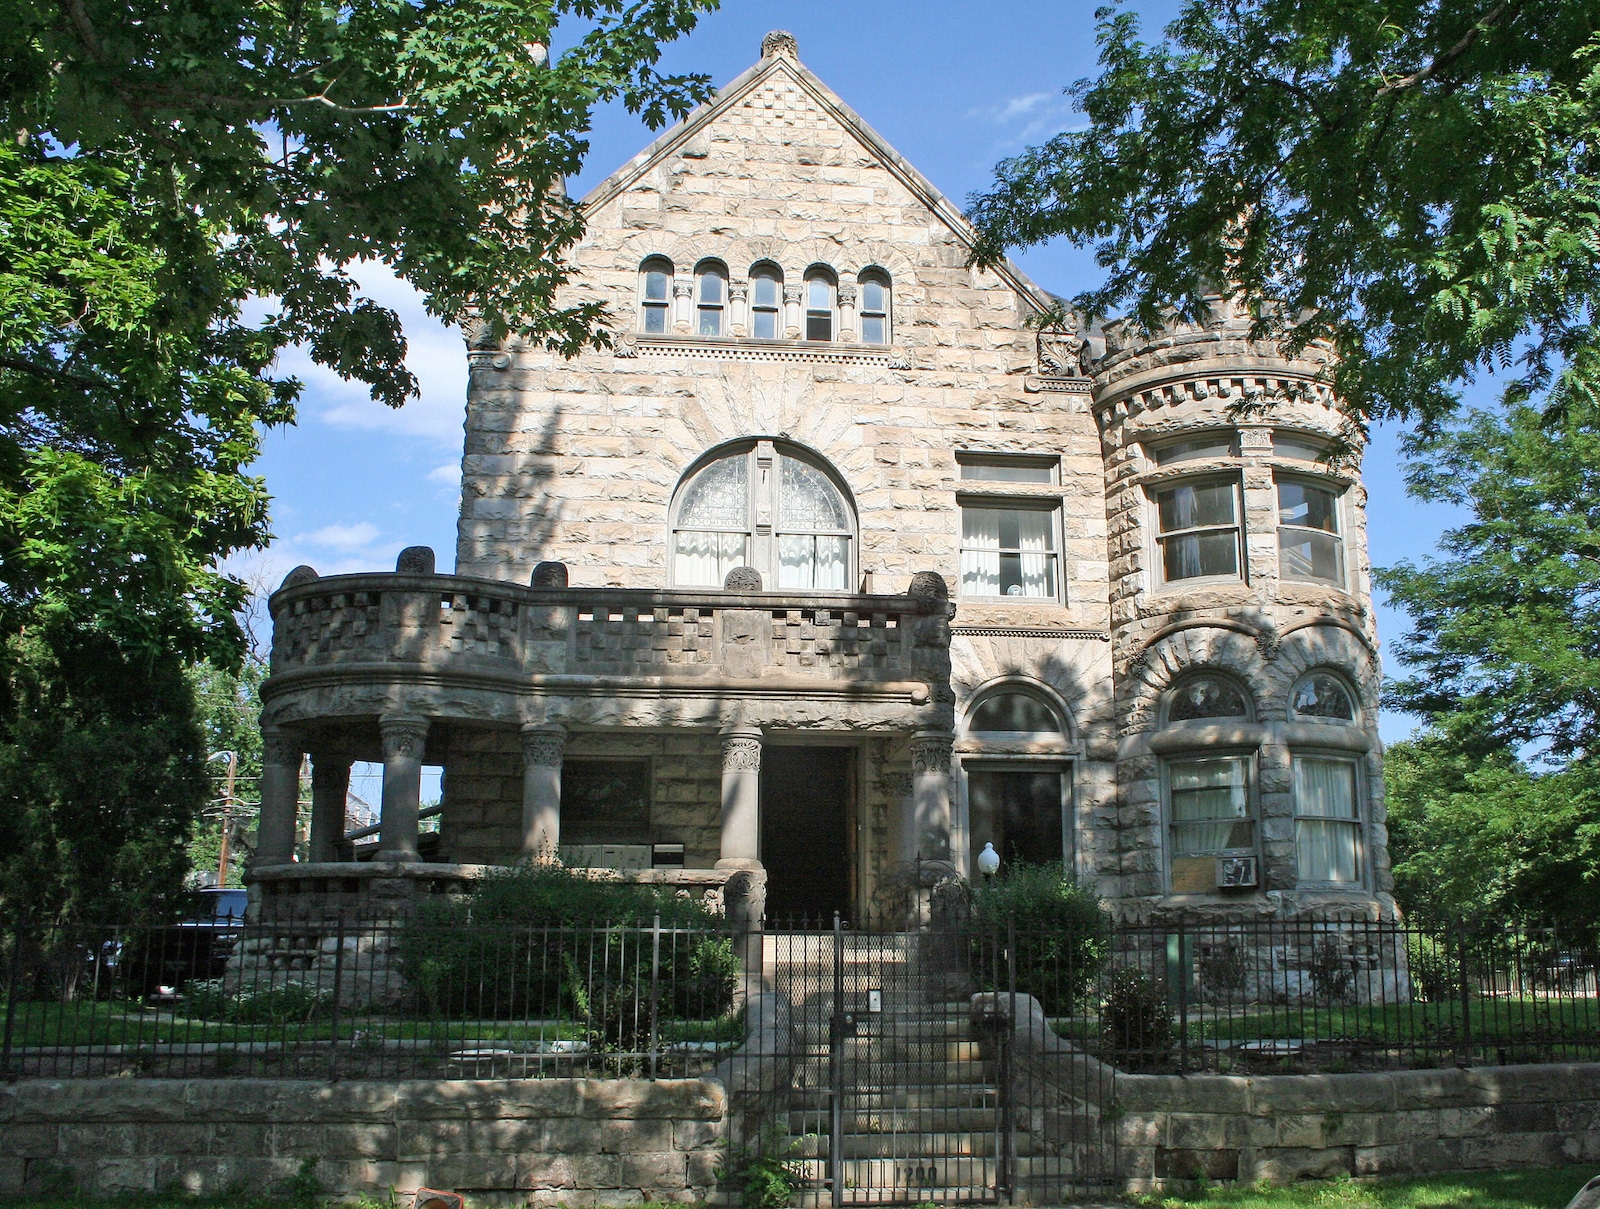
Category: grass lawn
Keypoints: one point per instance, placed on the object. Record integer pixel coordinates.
(1546, 1189)
(1550, 1188)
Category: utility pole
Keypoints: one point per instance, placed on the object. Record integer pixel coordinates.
(227, 819)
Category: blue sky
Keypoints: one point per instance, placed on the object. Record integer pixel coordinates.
(954, 86)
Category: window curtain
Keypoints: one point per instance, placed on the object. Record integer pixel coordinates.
(1034, 540)
(703, 560)
(1326, 832)
(1210, 806)
(807, 561)
(980, 552)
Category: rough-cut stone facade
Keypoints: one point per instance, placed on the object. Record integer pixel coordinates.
(961, 416)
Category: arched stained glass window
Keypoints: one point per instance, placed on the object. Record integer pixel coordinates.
(724, 509)
(1206, 697)
(1322, 696)
(1013, 713)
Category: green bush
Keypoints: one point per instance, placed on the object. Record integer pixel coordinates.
(1062, 935)
(1135, 1022)
(541, 941)
(285, 1003)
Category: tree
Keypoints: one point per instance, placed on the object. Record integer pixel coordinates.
(167, 167)
(1484, 840)
(1415, 183)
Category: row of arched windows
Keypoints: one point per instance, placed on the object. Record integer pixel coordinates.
(820, 309)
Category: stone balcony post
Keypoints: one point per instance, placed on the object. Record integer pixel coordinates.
(683, 306)
(281, 754)
(738, 308)
(543, 747)
(330, 790)
(929, 833)
(403, 739)
(741, 798)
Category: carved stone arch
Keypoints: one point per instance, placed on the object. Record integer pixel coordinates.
(684, 252)
(1197, 648)
(856, 258)
(1325, 645)
(1026, 683)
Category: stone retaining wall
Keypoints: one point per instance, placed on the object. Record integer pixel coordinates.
(1287, 1127)
(535, 1142)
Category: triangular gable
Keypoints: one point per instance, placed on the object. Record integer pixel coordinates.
(893, 162)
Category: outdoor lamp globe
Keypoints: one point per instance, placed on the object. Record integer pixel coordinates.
(988, 861)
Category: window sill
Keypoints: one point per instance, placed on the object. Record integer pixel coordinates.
(748, 348)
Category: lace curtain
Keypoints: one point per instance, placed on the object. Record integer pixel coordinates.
(1210, 806)
(1007, 552)
(1327, 834)
(704, 559)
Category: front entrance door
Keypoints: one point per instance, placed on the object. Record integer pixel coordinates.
(806, 800)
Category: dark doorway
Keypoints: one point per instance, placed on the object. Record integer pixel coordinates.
(806, 800)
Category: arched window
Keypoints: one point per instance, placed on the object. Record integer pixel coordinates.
(727, 507)
(1206, 696)
(874, 312)
(711, 298)
(766, 301)
(1013, 713)
(820, 300)
(1322, 697)
(655, 295)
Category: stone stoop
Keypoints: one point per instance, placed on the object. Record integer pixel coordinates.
(921, 1116)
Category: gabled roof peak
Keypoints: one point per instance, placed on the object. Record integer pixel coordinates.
(780, 42)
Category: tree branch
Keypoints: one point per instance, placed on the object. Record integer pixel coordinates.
(1450, 56)
(49, 374)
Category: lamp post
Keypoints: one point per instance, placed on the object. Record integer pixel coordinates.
(227, 812)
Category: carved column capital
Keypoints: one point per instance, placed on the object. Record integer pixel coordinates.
(847, 295)
(741, 750)
(683, 288)
(281, 747)
(930, 753)
(738, 291)
(792, 294)
(404, 735)
(543, 745)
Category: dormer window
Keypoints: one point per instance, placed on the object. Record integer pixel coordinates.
(766, 302)
(820, 300)
(655, 296)
(711, 298)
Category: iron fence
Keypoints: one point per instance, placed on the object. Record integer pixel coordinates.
(320, 998)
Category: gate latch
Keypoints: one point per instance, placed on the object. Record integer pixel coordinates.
(843, 1025)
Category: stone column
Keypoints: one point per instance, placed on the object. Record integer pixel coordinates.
(741, 798)
(542, 749)
(847, 313)
(792, 317)
(738, 308)
(403, 738)
(930, 796)
(330, 790)
(683, 306)
(281, 754)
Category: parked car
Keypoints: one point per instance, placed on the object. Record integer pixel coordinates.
(159, 960)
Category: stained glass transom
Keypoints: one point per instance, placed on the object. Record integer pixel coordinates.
(719, 497)
(807, 502)
(1206, 697)
(1013, 713)
(1321, 695)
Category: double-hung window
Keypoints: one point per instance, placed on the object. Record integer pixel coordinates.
(1310, 546)
(819, 306)
(766, 302)
(874, 314)
(1327, 822)
(655, 296)
(1197, 530)
(1009, 546)
(711, 294)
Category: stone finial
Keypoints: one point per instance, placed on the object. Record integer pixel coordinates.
(780, 42)
(930, 584)
(743, 579)
(415, 560)
(549, 575)
(300, 575)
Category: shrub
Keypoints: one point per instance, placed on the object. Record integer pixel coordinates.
(541, 941)
(1435, 969)
(1062, 934)
(1332, 979)
(284, 1003)
(1224, 970)
(1135, 1022)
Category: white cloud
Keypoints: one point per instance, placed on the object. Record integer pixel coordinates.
(449, 474)
(340, 537)
(1035, 116)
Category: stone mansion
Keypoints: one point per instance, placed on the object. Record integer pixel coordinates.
(835, 567)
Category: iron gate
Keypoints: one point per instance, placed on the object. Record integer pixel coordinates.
(923, 1069)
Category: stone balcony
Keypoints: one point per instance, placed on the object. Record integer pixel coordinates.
(479, 649)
